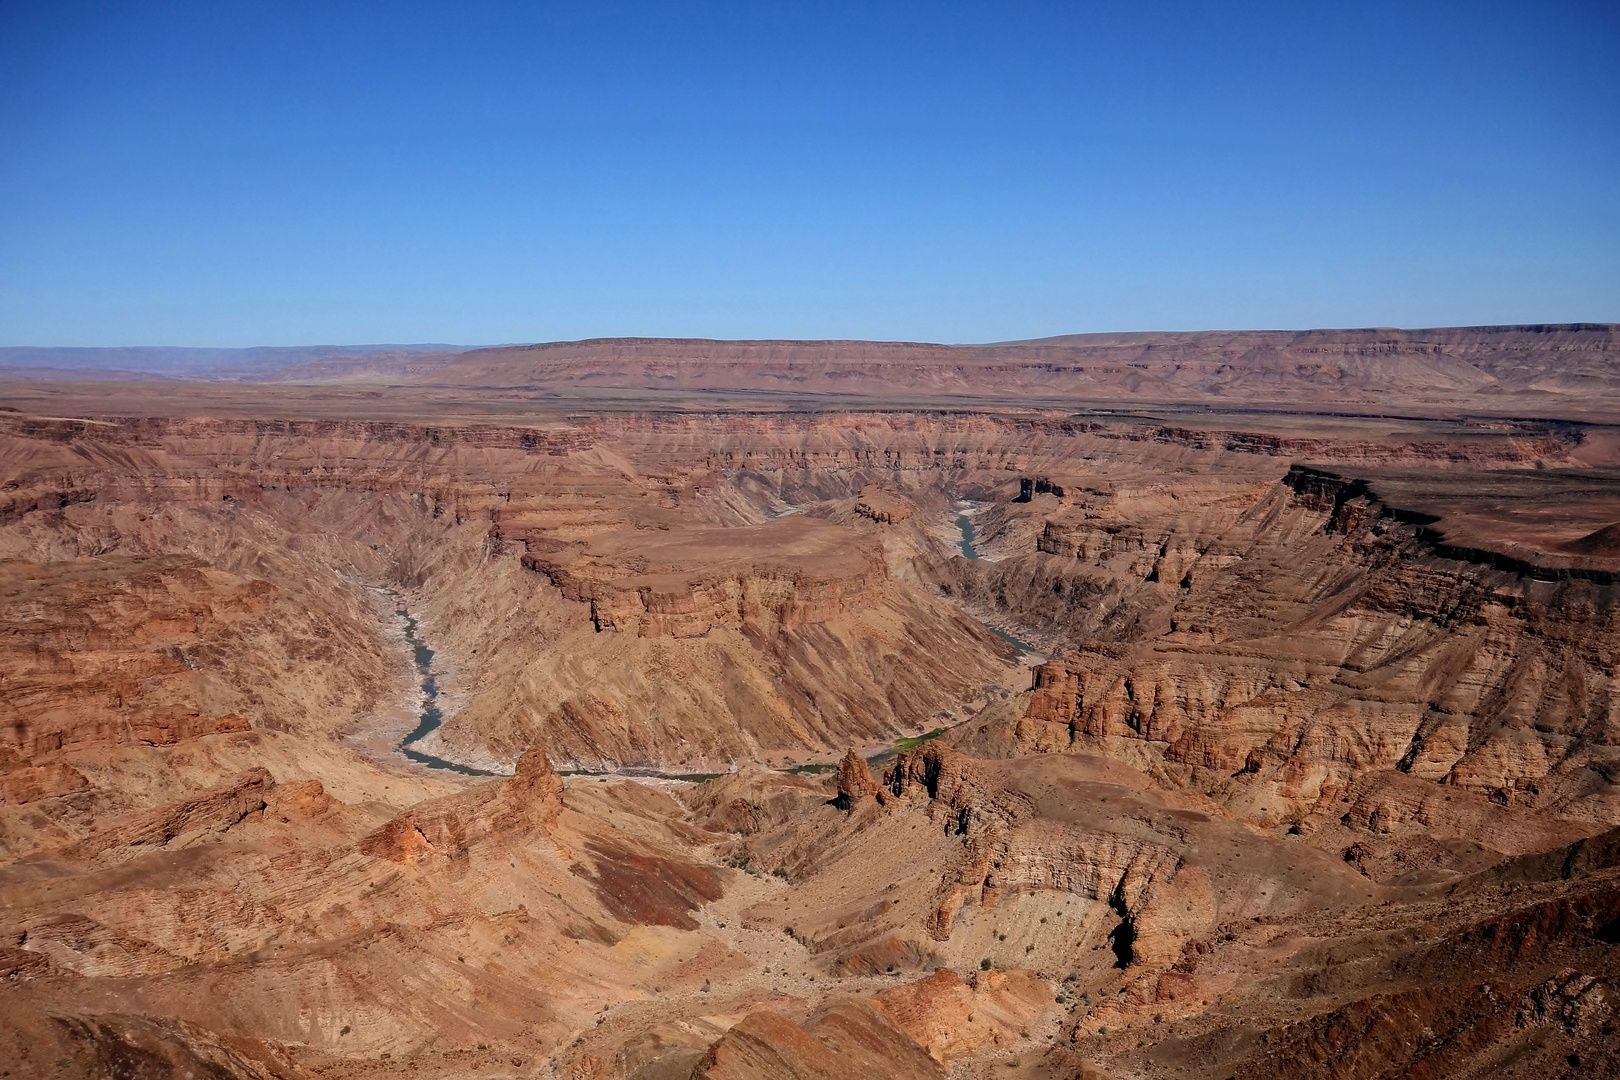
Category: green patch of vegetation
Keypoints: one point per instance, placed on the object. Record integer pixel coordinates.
(984, 965)
(911, 742)
(813, 768)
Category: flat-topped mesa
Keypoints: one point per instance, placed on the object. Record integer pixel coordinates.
(684, 580)
(1562, 525)
(883, 505)
(1347, 368)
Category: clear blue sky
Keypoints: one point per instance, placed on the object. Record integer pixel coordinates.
(225, 174)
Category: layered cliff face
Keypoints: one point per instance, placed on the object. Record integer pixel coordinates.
(1503, 368)
(1281, 642)
(121, 651)
(625, 616)
(1318, 775)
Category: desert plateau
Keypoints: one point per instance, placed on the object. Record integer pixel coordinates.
(1133, 706)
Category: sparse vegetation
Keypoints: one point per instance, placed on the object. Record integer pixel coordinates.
(911, 742)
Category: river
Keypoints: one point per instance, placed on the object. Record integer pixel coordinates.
(969, 551)
(965, 523)
(432, 717)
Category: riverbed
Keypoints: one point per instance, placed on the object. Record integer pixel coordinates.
(431, 716)
(964, 525)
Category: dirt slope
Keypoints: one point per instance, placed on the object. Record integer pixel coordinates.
(1314, 773)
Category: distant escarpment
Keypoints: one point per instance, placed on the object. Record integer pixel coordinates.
(1512, 369)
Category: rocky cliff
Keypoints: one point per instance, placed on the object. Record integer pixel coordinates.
(1316, 777)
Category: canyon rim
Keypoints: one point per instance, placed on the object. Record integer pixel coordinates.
(1154, 705)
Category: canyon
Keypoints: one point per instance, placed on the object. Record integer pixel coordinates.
(1147, 705)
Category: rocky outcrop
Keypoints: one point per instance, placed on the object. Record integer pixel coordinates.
(1040, 485)
(960, 790)
(884, 506)
(199, 819)
(31, 782)
(848, 1041)
(1009, 848)
(953, 1019)
(1278, 643)
(531, 799)
(855, 781)
(533, 796)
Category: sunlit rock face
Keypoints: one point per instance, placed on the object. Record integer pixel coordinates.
(1273, 742)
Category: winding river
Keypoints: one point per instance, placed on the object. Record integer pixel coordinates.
(965, 525)
(431, 717)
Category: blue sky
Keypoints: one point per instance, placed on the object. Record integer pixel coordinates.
(221, 174)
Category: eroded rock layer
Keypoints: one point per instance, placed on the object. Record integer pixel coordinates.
(1313, 772)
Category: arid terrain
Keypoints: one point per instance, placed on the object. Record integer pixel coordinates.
(1158, 705)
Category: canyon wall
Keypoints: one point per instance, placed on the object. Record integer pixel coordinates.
(1321, 756)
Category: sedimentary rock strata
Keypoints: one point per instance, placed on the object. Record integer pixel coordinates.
(1314, 773)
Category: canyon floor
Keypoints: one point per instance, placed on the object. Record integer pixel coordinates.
(1139, 706)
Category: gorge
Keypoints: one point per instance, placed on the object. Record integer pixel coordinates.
(1070, 708)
